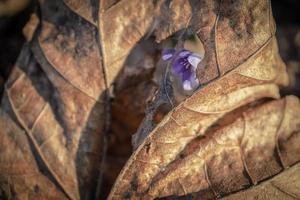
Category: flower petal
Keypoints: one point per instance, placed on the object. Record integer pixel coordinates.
(178, 66)
(184, 65)
(195, 83)
(190, 84)
(187, 85)
(177, 69)
(184, 53)
(167, 54)
(194, 59)
(187, 74)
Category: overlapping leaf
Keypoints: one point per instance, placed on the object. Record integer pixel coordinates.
(56, 97)
(283, 186)
(229, 135)
(54, 111)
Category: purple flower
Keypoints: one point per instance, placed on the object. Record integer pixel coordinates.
(184, 65)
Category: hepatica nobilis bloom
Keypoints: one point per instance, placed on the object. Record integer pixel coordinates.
(184, 65)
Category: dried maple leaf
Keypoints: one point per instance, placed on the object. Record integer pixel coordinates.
(230, 134)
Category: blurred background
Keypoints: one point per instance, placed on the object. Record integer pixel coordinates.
(287, 17)
(127, 113)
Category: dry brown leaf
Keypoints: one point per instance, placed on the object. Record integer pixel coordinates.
(286, 185)
(59, 111)
(233, 156)
(21, 177)
(56, 97)
(54, 111)
(57, 92)
(258, 142)
(120, 27)
(227, 136)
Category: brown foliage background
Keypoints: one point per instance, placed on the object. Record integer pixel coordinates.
(55, 107)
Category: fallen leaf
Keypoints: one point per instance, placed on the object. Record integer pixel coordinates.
(282, 186)
(55, 109)
(242, 149)
(230, 134)
(56, 97)
(57, 94)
